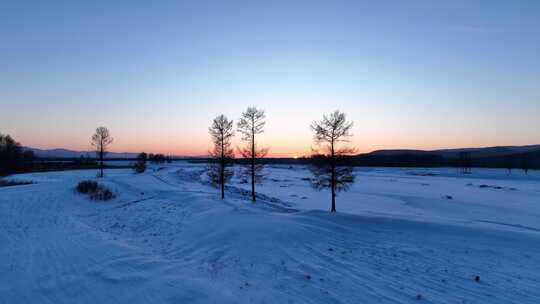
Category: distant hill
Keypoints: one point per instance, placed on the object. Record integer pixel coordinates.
(453, 153)
(64, 153)
(490, 157)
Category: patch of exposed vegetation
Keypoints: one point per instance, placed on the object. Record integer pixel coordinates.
(95, 190)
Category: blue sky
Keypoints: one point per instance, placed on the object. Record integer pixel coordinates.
(410, 74)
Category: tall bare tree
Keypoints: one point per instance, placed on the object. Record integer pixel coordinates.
(219, 171)
(328, 169)
(101, 140)
(250, 124)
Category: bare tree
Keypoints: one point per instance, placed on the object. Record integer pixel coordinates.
(219, 172)
(250, 124)
(328, 168)
(101, 140)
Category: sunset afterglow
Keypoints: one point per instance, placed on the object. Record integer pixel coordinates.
(431, 76)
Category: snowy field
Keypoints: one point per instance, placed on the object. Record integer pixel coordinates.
(400, 236)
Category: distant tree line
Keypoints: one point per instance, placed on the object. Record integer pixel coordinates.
(13, 158)
(159, 158)
(140, 164)
(516, 161)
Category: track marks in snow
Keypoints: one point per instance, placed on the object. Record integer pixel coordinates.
(177, 242)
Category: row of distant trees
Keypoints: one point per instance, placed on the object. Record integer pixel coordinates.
(330, 136)
(102, 139)
(12, 156)
(142, 158)
(523, 161)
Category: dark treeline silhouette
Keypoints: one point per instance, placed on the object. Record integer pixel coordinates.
(463, 163)
(510, 162)
(85, 161)
(140, 164)
(526, 162)
(63, 164)
(13, 158)
(159, 158)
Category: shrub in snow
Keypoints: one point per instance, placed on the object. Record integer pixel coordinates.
(95, 190)
(140, 165)
(102, 193)
(87, 187)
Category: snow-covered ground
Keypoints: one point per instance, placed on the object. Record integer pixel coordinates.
(400, 236)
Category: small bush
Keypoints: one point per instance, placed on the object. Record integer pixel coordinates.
(139, 167)
(87, 187)
(96, 191)
(102, 194)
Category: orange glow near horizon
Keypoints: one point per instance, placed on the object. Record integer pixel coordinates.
(287, 134)
(276, 149)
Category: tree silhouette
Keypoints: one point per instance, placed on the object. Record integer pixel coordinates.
(525, 162)
(140, 164)
(157, 158)
(219, 172)
(101, 140)
(12, 156)
(250, 124)
(328, 168)
(464, 162)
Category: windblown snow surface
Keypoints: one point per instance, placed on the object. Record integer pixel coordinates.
(400, 236)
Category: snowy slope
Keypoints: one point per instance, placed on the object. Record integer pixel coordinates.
(166, 238)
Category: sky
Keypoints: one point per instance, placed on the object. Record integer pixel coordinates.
(409, 74)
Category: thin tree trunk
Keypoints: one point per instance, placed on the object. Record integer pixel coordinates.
(253, 163)
(101, 159)
(222, 168)
(333, 179)
(333, 190)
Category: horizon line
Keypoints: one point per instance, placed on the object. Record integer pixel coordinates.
(277, 155)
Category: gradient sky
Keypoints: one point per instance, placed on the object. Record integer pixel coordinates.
(410, 74)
